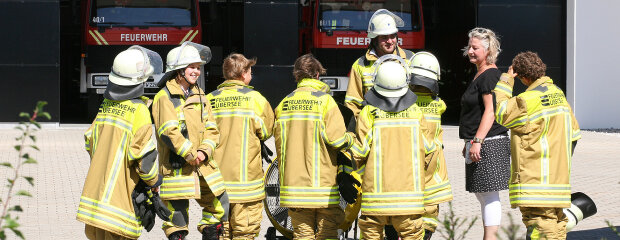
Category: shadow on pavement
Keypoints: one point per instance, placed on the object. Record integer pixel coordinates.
(598, 233)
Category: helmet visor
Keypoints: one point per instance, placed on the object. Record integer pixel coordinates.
(204, 53)
(151, 65)
(399, 21)
(386, 58)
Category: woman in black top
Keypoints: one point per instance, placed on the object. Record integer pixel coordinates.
(487, 146)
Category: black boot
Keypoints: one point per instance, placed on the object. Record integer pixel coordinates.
(178, 235)
(211, 232)
(427, 234)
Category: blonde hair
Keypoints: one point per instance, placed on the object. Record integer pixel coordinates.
(235, 65)
(489, 40)
(307, 66)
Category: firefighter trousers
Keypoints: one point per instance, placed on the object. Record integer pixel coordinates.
(95, 233)
(544, 223)
(214, 210)
(408, 227)
(430, 217)
(316, 223)
(244, 221)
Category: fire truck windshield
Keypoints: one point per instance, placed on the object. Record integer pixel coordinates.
(347, 15)
(142, 13)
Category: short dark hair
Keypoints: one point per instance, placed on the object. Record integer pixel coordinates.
(528, 65)
(307, 66)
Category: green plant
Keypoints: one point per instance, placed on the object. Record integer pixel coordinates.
(511, 230)
(453, 224)
(25, 141)
(612, 227)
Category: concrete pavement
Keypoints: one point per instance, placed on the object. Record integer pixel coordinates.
(63, 165)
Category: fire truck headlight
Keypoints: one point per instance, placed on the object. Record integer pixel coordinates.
(331, 82)
(100, 80)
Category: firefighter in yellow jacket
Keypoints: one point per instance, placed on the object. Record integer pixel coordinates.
(309, 131)
(543, 131)
(383, 32)
(121, 149)
(391, 135)
(425, 74)
(187, 136)
(244, 119)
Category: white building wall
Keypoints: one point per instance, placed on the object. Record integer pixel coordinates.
(593, 62)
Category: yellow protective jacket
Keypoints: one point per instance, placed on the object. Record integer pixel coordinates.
(437, 187)
(393, 148)
(122, 152)
(361, 78)
(175, 115)
(542, 129)
(309, 130)
(244, 119)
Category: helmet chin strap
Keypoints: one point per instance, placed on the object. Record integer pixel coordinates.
(190, 86)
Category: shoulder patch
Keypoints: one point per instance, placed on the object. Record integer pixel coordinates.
(408, 54)
(362, 61)
(176, 101)
(244, 90)
(216, 92)
(137, 101)
(540, 88)
(290, 95)
(318, 93)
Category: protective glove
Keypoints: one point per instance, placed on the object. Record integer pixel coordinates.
(342, 159)
(177, 161)
(265, 152)
(346, 187)
(148, 220)
(142, 205)
(159, 207)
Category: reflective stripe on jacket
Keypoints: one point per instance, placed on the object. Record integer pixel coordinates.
(542, 128)
(244, 119)
(393, 150)
(437, 187)
(309, 130)
(185, 126)
(122, 151)
(361, 78)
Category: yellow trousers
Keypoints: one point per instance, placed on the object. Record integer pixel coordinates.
(316, 223)
(244, 221)
(212, 211)
(95, 233)
(408, 227)
(544, 223)
(430, 217)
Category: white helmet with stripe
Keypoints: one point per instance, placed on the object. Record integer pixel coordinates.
(384, 22)
(182, 56)
(134, 66)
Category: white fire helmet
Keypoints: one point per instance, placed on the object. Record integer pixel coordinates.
(581, 207)
(425, 71)
(182, 56)
(391, 76)
(384, 22)
(134, 66)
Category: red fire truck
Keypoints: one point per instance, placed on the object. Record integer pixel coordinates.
(111, 26)
(335, 32)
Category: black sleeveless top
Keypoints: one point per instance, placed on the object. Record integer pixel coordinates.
(472, 106)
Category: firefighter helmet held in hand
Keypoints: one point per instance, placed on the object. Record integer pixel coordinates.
(425, 71)
(391, 78)
(134, 66)
(182, 56)
(384, 22)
